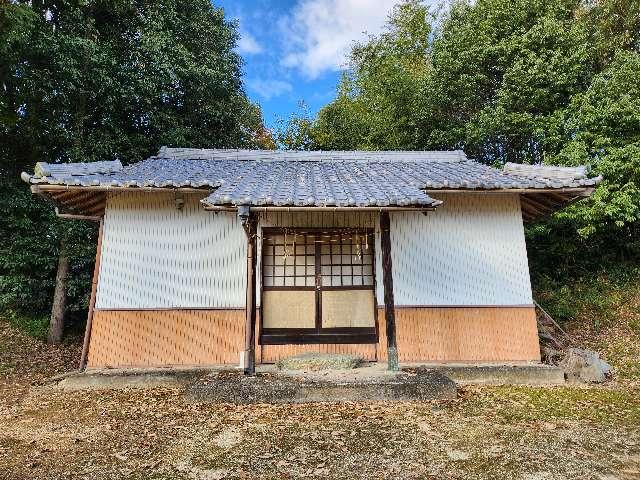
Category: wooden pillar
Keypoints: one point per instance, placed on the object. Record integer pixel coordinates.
(92, 300)
(387, 282)
(250, 225)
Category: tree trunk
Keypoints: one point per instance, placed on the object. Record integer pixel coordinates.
(56, 324)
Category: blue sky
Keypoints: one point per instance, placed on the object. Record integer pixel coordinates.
(293, 50)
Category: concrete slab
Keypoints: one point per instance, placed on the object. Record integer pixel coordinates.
(100, 379)
(366, 370)
(497, 374)
(461, 373)
(233, 387)
(319, 361)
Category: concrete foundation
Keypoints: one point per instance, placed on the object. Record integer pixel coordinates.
(371, 381)
(492, 374)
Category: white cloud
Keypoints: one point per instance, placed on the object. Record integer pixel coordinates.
(268, 89)
(319, 33)
(248, 45)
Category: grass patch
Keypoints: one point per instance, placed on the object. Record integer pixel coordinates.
(519, 403)
(597, 298)
(34, 326)
(601, 312)
(620, 350)
(6, 367)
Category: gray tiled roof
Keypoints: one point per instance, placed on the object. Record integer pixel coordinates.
(264, 177)
(546, 171)
(64, 169)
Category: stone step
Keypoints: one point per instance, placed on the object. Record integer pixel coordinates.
(233, 387)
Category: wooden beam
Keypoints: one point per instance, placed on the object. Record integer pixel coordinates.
(65, 196)
(93, 209)
(78, 198)
(387, 281)
(538, 207)
(250, 225)
(541, 204)
(558, 197)
(71, 216)
(530, 210)
(76, 203)
(546, 201)
(92, 300)
(584, 191)
(90, 205)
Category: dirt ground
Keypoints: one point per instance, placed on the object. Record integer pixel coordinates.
(492, 432)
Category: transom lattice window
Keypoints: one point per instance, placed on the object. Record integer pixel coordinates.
(346, 259)
(289, 260)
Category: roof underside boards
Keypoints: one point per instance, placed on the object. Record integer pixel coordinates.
(314, 179)
(77, 202)
(538, 205)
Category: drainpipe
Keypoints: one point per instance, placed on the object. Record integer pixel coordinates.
(250, 225)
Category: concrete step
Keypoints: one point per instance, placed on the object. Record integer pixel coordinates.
(233, 387)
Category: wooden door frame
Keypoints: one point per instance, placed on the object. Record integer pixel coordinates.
(318, 335)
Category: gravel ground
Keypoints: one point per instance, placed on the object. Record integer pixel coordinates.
(494, 432)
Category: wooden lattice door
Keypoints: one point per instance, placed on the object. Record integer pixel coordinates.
(318, 286)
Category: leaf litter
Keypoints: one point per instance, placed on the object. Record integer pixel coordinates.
(488, 432)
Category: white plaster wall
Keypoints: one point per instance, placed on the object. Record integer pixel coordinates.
(470, 251)
(156, 256)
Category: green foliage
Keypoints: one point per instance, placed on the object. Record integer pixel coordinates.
(616, 26)
(596, 296)
(522, 81)
(603, 127)
(511, 403)
(601, 309)
(501, 70)
(34, 325)
(102, 79)
(377, 97)
(99, 80)
(28, 257)
(28, 249)
(295, 132)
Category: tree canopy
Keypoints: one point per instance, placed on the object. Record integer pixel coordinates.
(106, 79)
(101, 80)
(525, 81)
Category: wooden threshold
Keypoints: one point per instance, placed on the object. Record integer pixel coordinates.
(317, 338)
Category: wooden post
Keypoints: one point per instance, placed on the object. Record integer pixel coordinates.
(387, 281)
(250, 225)
(92, 300)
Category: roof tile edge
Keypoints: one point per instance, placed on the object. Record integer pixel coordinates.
(436, 156)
